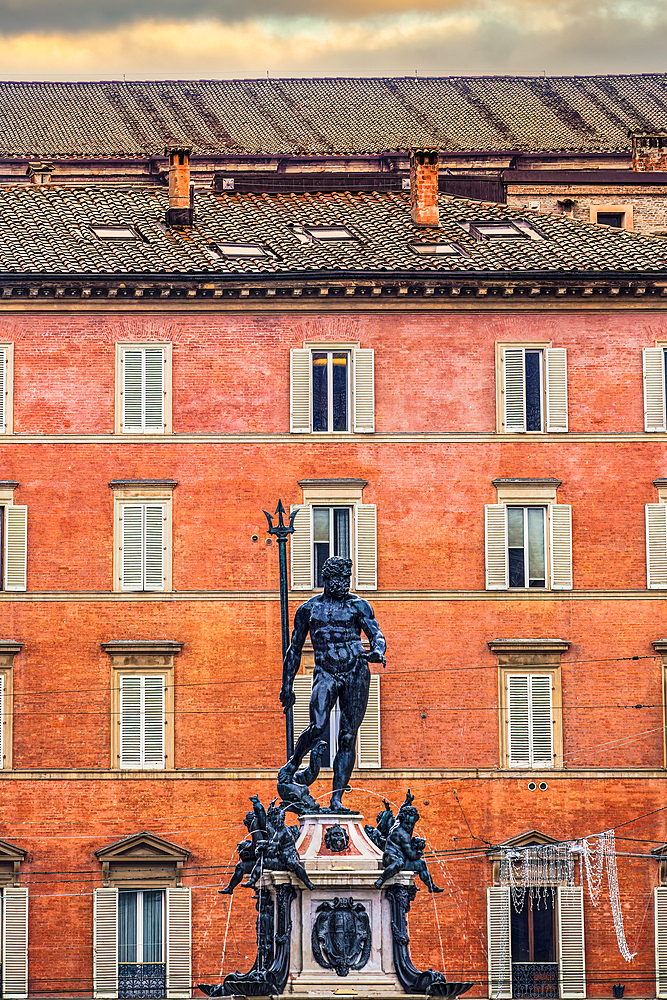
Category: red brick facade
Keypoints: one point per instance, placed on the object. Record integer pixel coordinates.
(430, 468)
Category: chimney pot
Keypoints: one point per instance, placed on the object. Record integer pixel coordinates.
(180, 211)
(649, 150)
(39, 172)
(424, 186)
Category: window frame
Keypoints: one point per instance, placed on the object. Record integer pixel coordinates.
(607, 208)
(329, 353)
(142, 659)
(7, 489)
(534, 345)
(8, 650)
(360, 387)
(526, 543)
(8, 426)
(541, 657)
(128, 492)
(143, 345)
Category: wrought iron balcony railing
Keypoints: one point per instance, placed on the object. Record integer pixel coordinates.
(534, 979)
(142, 982)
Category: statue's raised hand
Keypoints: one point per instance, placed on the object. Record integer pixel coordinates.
(376, 657)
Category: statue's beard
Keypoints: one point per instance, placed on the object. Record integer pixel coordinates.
(338, 588)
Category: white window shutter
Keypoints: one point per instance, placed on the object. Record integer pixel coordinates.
(14, 943)
(518, 720)
(3, 390)
(498, 942)
(368, 737)
(514, 388)
(656, 546)
(660, 917)
(654, 388)
(300, 391)
(133, 390)
(301, 549)
(16, 547)
(153, 721)
(364, 390)
(154, 362)
(3, 720)
(555, 360)
(365, 540)
(179, 943)
(541, 720)
(132, 547)
(154, 518)
(560, 527)
(495, 539)
(571, 953)
(130, 720)
(105, 944)
(303, 687)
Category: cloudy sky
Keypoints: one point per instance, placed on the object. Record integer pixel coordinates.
(149, 39)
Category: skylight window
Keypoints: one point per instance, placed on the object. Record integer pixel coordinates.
(241, 250)
(115, 232)
(447, 249)
(489, 230)
(333, 232)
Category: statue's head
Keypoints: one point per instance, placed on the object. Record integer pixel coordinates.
(407, 817)
(336, 574)
(249, 820)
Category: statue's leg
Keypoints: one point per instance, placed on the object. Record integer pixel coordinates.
(422, 870)
(353, 700)
(389, 872)
(235, 880)
(322, 700)
(301, 874)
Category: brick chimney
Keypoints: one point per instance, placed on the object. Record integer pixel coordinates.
(424, 186)
(39, 172)
(181, 208)
(649, 150)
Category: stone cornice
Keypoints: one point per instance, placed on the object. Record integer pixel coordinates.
(129, 646)
(529, 645)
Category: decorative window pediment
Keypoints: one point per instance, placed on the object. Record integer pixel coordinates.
(531, 838)
(10, 861)
(142, 858)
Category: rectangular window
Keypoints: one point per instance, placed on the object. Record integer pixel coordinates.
(142, 721)
(332, 389)
(533, 941)
(532, 385)
(529, 720)
(526, 546)
(141, 960)
(143, 546)
(14, 922)
(13, 542)
(654, 369)
(331, 536)
(6, 388)
(143, 388)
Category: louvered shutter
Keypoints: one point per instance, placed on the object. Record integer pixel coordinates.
(14, 942)
(660, 916)
(154, 517)
(105, 944)
(571, 957)
(368, 737)
(364, 391)
(656, 546)
(518, 720)
(498, 943)
(179, 943)
(541, 721)
(301, 549)
(154, 362)
(3, 390)
(303, 686)
(560, 526)
(495, 547)
(133, 365)
(514, 388)
(654, 389)
(130, 720)
(16, 547)
(153, 754)
(132, 547)
(365, 537)
(300, 391)
(555, 361)
(3, 720)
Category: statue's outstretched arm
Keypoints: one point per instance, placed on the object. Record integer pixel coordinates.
(293, 656)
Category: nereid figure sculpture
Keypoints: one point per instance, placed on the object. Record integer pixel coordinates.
(402, 851)
(335, 621)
